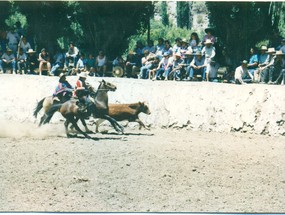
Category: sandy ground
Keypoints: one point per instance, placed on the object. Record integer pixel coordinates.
(161, 170)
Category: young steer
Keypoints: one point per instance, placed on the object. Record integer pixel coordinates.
(130, 112)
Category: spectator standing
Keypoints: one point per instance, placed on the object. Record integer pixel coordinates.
(13, 39)
(209, 36)
(212, 71)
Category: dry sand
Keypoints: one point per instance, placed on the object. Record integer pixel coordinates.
(188, 166)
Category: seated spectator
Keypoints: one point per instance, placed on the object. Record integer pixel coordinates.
(242, 75)
(163, 66)
(212, 71)
(22, 62)
(71, 56)
(194, 42)
(139, 51)
(58, 61)
(147, 60)
(263, 60)
(101, 64)
(32, 61)
(44, 61)
(90, 65)
(185, 47)
(267, 70)
(280, 67)
(253, 61)
(152, 69)
(80, 65)
(198, 66)
(132, 63)
(119, 61)
(188, 57)
(209, 36)
(25, 45)
(176, 70)
(167, 48)
(150, 47)
(177, 46)
(228, 63)
(159, 48)
(8, 60)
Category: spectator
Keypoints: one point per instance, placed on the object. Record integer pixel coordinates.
(32, 61)
(150, 47)
(58, 61)
(267, 70)
(185, 47)
(160, 48)
(71, 56)
(242, 75)
(152, 70)
(280, 67)
(209, 36)
(147, 61)
(212, 71)
(198, 66)
(275, 70)
(177, 47)
(253, 61)
(80, 65)
(139, 51)
(167, 48)
(3, 40)
(176, 70)
(263, 60)
(13, 39)
(90, 65)
(162, 66)
(22, 61)
(188, 57)
(194, 42)
(101, 64)
(19, 29)
(228, 63)
(8, 61)
(44, 62)
(25, 45)
(131, 64)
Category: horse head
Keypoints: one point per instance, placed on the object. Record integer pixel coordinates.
(144, 108)
(107, 86)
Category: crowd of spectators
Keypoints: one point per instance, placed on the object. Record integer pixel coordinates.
(187, 59)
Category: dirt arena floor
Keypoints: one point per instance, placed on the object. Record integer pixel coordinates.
(162, 170)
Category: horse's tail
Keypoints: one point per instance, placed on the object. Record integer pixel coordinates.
(39, 107)
(50, 113)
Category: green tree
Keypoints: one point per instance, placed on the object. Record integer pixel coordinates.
(183, 14)
(163, 13)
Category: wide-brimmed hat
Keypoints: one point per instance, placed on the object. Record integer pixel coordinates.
(263, 48)
(177, 54)
(83, 75)
(198, 53)
(31, 51)
(43, 50)
(132, 52)
(118, 71)
(279, 53)
(184, 40)
(244, 62)
(271, 50)
(61, 75)
(188, 52)
(8, 50)
(166, 54)
(209, 29)
(208, 41)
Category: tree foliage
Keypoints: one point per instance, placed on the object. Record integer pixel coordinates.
(164, 14)
(183, 14)
(92, 25)
(240, 25)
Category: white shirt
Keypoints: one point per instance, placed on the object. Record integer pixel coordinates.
(25, 47)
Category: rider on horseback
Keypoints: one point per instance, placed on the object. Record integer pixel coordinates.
(63, 91)
(82, 90)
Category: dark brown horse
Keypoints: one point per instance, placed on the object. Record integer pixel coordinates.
(97, 108)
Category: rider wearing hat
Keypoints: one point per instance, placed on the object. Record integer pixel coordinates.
(63, 91)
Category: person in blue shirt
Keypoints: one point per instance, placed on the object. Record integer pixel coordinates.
(253, 60)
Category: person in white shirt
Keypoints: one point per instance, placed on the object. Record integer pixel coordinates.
(72, 54)
(25, 45)
(242, 75)
(8, 60)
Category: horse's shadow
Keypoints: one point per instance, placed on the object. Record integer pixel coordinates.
(93, 138)
(126, 134)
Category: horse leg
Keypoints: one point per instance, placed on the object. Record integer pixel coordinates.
(141, 124)
(74, 123)
(114, 123)
(66, 123)
(87, 130)
(98, 122)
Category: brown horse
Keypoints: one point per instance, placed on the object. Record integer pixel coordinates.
(98, 108)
